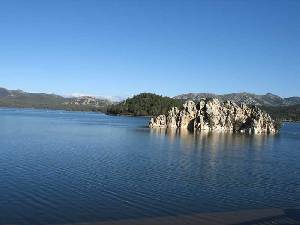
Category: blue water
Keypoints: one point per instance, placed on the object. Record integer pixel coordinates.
(64, 167)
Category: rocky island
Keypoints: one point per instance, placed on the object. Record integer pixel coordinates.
(215, 116)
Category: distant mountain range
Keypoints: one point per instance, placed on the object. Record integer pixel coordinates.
(247, 98)
(21, 99)
(146, 104)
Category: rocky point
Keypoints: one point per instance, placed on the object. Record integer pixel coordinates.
(215, 116)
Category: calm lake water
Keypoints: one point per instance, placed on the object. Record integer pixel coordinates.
(67, 167)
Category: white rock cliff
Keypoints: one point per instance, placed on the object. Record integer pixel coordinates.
(211, 115)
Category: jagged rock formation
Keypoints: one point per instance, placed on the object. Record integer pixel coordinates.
(212, 115)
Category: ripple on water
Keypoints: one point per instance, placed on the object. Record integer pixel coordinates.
(64, 167)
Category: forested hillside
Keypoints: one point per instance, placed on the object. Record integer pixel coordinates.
(21, 99)
(284, 113)
(148, 104)
(144, 104)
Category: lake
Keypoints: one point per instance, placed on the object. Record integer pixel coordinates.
(61, 167)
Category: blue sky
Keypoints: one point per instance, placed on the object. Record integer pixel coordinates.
(167, 47)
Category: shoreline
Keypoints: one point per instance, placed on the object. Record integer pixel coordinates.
(100, 112)
(52, 109)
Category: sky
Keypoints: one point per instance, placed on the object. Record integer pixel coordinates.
(168, 47)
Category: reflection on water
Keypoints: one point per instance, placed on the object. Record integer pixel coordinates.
(68, 168)
(213, 141)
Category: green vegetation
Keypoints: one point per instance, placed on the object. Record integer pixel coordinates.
(144, 104)
(54, 106)
(46, 101)
(284, 113)
(147, 104)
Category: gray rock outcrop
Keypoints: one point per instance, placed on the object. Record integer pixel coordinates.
(212, 115)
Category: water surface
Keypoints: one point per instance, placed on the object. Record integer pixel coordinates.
(69, 167)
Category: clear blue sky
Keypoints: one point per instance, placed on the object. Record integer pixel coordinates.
(109, 47)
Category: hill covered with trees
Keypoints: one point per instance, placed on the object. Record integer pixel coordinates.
(284, 113)
(21, 99)
(144, 104)
(148, 104)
